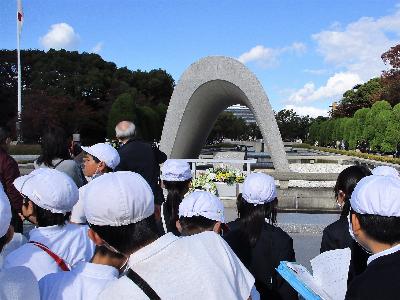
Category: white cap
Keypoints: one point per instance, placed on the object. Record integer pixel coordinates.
(385, 171)
(201, 203)
(5, 213)
(105, 153)
(175, 170)
(377, 195)
(116, 199)
(259, 188)
(49, 189)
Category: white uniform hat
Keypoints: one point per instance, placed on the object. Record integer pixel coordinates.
(105, 153)
(116, 199)
(259, 188)
(49, 189)
(175, 170)
(5, 213)
(377, 195)
(385, 171)
(201, 203)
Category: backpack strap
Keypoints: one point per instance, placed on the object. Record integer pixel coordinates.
(142, 284)
(59, 261)
(57, 164)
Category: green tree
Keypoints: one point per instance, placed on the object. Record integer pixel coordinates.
(122, 109)
(392, 134)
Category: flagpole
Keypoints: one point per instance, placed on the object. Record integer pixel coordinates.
(19, 118)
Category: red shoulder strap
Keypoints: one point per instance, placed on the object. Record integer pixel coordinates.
(60, 262)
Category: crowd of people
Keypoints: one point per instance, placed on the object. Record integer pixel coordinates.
(103, 230)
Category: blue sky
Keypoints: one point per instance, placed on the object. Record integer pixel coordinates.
(305, 53)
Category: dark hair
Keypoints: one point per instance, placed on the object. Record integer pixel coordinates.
(76, 148)
(54, 144)
(96, 160)
(128, 238)
(347, 181)
(176, 190)
(195, 224)
(3, 241)
(46, 218)
(381, 229)
(252, 219)
(5, 133)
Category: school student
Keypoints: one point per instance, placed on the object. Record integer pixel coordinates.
(16, 283)
(199, 266)
(98, 159)
(54, 245)
(375, 225)
(176, 177)
(259, 244)
(110, 206)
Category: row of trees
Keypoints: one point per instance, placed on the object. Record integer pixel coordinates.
(378, 125)
(77, 90)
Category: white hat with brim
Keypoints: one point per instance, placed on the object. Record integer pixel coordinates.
(5, 212)
(385, 171)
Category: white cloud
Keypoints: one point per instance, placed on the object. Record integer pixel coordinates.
(334, 88)
(308, 111)
(97, 48)
(60, 36)
(267, 57)
(315, 71)
(358, 47)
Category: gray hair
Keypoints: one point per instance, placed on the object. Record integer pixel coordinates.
(124, 130)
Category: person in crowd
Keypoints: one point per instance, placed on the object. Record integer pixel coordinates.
(15, 283)
(55, 155)
(110, 231)
(9, 171)
(176, 177)
(140, 157)
(98, 159)
(200, 266)
(76, 148)
(259, 244)
(375, 224)
(54, 245)
(200, 211)
(336, 235)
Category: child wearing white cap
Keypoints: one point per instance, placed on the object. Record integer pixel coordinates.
(200, 211)
(176, 177)
(54, 245)
(259, 244)
(14, 282)
(200, 266)
(375, 224)
(98, 159)
(119, 208)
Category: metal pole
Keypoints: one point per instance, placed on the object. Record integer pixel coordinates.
(19, 119)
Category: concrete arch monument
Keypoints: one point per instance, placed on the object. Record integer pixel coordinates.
(205, 89)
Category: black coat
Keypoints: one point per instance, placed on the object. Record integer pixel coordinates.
(379, 281)
(140, 157)
(273, 246)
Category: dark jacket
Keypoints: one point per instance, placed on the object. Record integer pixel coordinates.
(140, 157)
(337, 236)
(273, 246)
(8, 172)
(379, 281)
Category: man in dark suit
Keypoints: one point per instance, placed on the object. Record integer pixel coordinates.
(375, 225)
(140, 157)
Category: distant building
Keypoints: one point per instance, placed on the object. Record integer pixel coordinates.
(243, 112)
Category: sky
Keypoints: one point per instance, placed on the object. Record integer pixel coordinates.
(305, 53)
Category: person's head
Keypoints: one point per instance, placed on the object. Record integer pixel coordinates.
(124, 131)
(6, 230)
(375, 212)
(99, 158)
(119, 208)
(5, 137)
(54, 145)
(200, 211)
(176, 177)
(257, 202)
(48, 196)
(345, 184)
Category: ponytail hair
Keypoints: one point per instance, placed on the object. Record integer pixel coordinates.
(176, 190)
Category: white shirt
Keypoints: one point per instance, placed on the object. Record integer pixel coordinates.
(85, 281)
(18, 283)
(201, 266)
(382, 253)
(70, 242)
